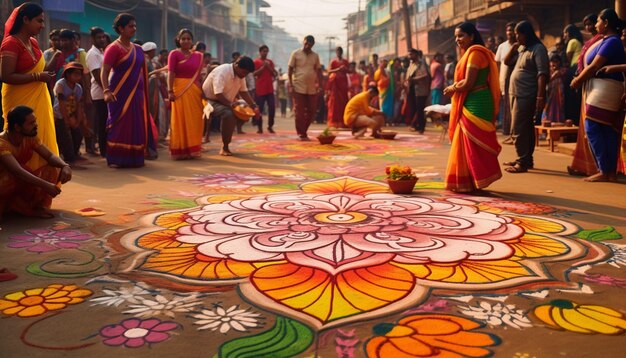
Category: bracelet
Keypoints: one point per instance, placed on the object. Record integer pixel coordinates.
(541, 98)
(106, 90)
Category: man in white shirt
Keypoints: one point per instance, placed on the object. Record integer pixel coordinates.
(221, 88)
(505, 75)
(95, 57)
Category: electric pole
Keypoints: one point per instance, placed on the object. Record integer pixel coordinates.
(330, 50)
(407, 24)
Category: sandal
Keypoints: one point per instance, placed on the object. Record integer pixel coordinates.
(517, 168)
(511, 164)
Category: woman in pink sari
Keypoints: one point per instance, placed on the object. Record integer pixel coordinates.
(131, 132)
(338, 89)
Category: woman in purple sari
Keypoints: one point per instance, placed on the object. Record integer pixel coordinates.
(129, 126)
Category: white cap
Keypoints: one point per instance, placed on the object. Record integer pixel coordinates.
(148, 46)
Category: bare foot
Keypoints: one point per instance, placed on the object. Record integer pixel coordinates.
(360, 133)
(226, 152)
(598, 177)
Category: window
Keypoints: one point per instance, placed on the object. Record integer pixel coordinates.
(250, 7)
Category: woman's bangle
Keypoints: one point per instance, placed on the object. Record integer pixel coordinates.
(541, 98)
(106, 90)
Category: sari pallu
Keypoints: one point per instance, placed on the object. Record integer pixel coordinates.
(36, 96)
(388, 102)
(473, 161)
(186, 123)
(583, 161)
(130, 129)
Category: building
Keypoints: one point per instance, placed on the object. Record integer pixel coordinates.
(379, 27)
(224, 26)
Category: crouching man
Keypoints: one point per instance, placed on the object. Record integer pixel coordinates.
(360, 116)
(25, 190)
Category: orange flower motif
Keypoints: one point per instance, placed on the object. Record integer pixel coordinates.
(430, 335)
(37, 301)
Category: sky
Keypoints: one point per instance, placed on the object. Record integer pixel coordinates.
(320, 18)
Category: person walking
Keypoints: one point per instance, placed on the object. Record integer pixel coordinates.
(527, 91)
(185, 94)
(264, 73)
(24, 81)
(473, 161)
(304, 72)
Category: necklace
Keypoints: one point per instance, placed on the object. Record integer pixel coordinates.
(28, 47)
(127, 48)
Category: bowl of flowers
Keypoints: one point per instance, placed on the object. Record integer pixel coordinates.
(401, 179)
(327, 136)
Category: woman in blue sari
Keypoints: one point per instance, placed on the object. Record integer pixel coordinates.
(603, 112)
(130, 130)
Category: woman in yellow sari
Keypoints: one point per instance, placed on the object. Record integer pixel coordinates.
(186, 97)
(473, 162)
(23, 77)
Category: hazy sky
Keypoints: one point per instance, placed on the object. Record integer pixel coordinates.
(320, 18)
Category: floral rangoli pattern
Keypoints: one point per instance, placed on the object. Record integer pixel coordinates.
(344, 249)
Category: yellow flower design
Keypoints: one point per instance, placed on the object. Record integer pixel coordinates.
(581, 318)
(37, 301)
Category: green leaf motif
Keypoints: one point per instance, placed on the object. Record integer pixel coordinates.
(430, 185)
(606, 233)
(166, 203)
(317, 175)
(286, 339)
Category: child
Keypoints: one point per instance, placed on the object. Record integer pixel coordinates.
(555, 104)
(69, 112)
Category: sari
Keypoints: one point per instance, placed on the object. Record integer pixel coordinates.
(385, 83)
(338, 93)
(473, 161)
(34, 95)
(603, 112)
(583, 161)
(388, 104)
(19, 196)
(130, 129)
(186, 123)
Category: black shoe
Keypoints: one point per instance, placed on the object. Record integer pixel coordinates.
(260, 131)
(269, 129)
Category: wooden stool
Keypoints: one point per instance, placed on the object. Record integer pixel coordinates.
(553, 134)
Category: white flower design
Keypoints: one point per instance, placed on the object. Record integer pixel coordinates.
(161, 305)
(497, 315)
(234, 317)
(619, 255)
(132, 295)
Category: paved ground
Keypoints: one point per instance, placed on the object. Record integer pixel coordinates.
(297, 249)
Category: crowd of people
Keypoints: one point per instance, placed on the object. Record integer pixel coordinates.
(122, 99)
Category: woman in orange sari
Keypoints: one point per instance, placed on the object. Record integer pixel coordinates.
(473, 162)
(185, 92)
(23, 77)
